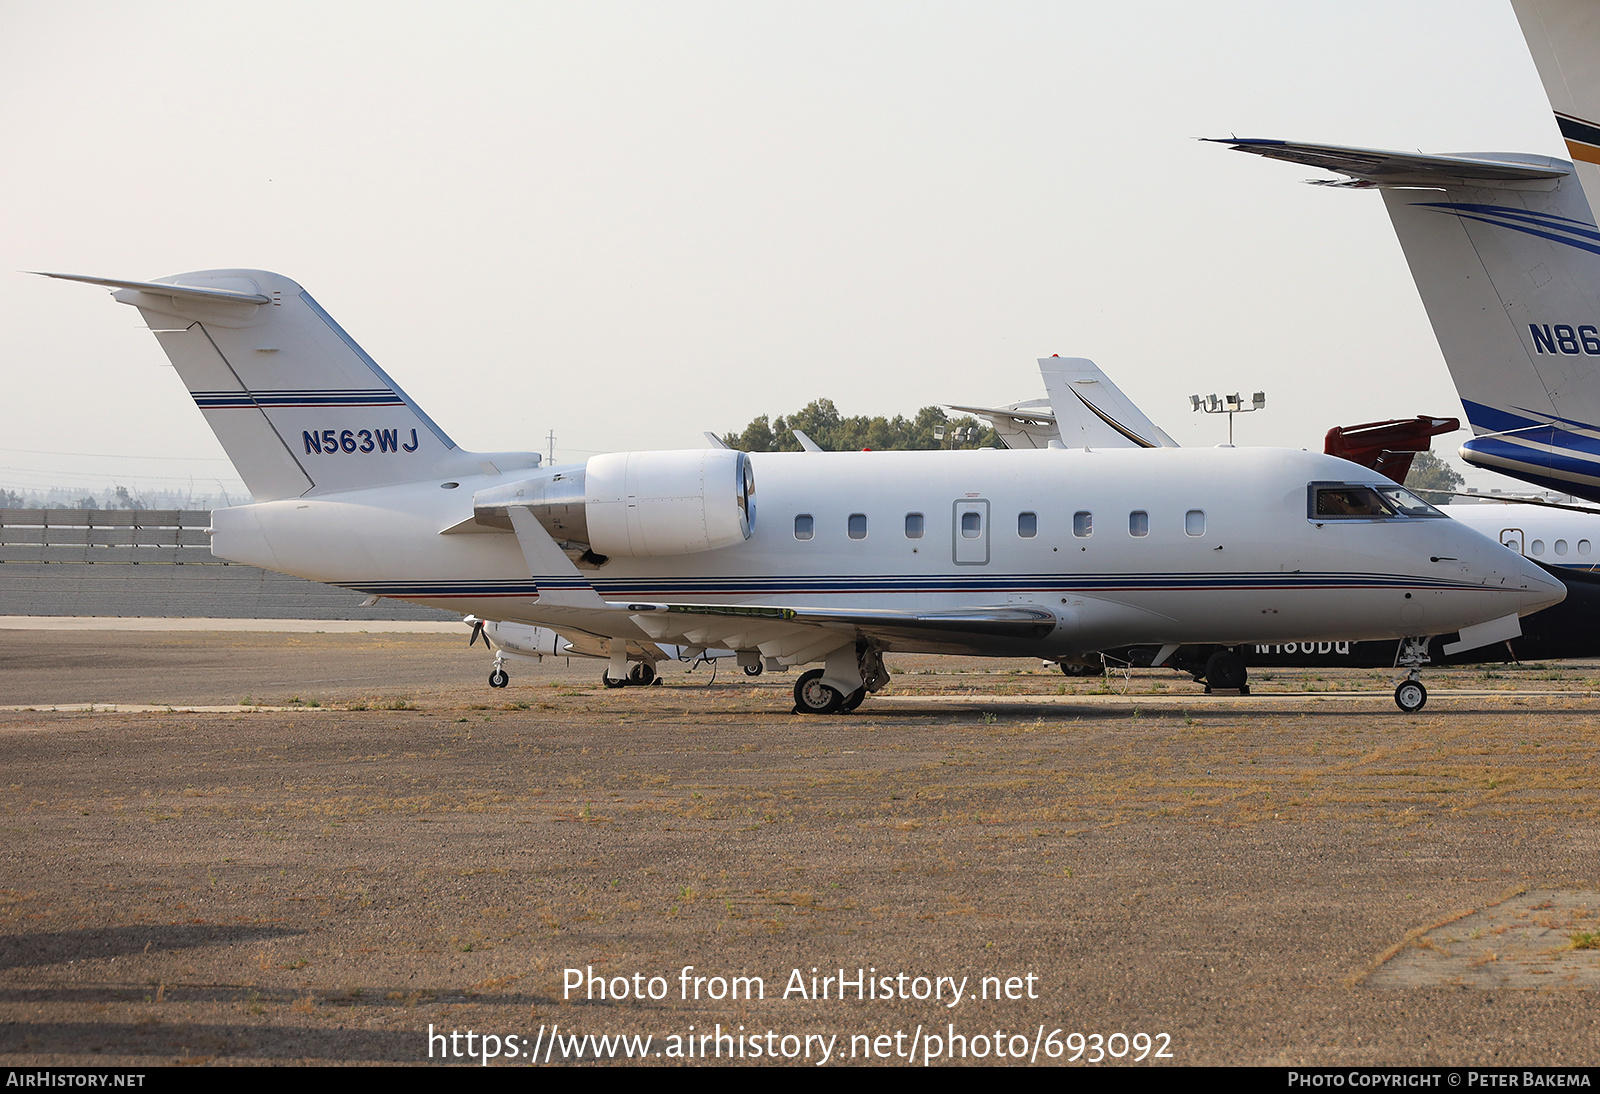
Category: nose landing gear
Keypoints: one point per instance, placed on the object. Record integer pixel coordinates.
(1409, 694)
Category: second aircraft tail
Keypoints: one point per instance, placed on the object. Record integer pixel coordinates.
(1506, 257)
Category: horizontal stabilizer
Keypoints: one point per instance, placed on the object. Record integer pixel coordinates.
(1377, 167)
(164, 288)
(1028, 424)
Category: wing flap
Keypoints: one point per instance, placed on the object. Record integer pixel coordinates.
(784, 631)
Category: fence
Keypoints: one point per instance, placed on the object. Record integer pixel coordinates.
(155, 562)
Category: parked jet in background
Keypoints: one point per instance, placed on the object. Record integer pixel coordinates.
(1564, 38)
(522, 641)
(850, 555)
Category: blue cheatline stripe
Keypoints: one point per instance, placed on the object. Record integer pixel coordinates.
(1534, 216)
(677, 588)
(1572, 436)
(376, 371)
(1576, 129)
(230, 400)
(1568, 466)
(1505, 218)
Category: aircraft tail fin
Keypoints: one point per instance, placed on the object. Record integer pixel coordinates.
(1506, 257)
(1092, 412)
(299, 407)
(1388, 447)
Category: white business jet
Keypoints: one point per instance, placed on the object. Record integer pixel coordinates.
(848, 555)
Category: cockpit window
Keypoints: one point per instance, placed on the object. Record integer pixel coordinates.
(1357, 501)
(1345, 501)
(1408, 503)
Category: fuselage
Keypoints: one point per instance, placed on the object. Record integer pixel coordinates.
(1121, 546)
(1555, 537)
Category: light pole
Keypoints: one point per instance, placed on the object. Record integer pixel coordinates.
(1229, 405)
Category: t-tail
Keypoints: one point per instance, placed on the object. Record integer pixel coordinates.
(298, 406)
(1506, 256)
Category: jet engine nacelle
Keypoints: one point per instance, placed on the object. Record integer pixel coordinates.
(638, 504)
(668, 503)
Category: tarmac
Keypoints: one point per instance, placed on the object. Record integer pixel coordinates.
(247, 846)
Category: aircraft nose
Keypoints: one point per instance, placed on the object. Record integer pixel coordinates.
(1540, 588)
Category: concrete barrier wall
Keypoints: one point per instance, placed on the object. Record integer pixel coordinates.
(155, 563)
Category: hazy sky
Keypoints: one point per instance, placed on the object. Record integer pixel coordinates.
(631, 222)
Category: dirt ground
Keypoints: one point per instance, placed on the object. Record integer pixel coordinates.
(363, 843)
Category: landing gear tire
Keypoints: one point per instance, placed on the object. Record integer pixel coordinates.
(610, 683)
(812, 696)
(642, 674)
(1070, 668)
(855, 699)
(1225, 671)
(1410, 696)
(753, 670)
(499, 678)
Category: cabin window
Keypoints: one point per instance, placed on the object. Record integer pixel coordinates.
(1561, 546)
(971, 525)
(1027, 525)
(1194, 522)
(1538, 546)
(858, 526)
(1139, 523)
(914, 525)
(1583, 546)
(1083, 524)
(803, 526)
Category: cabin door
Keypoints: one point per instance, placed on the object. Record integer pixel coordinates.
(971, 532)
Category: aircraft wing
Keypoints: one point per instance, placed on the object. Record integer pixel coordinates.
(793, 633)
(791, 630)
(1376, 167)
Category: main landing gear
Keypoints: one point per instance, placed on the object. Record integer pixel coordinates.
(1409, 695)
(641, 674)
(1226, 671)
(1092, 664)
(812, 696)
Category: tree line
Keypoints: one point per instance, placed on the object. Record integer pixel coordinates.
(821, 421)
